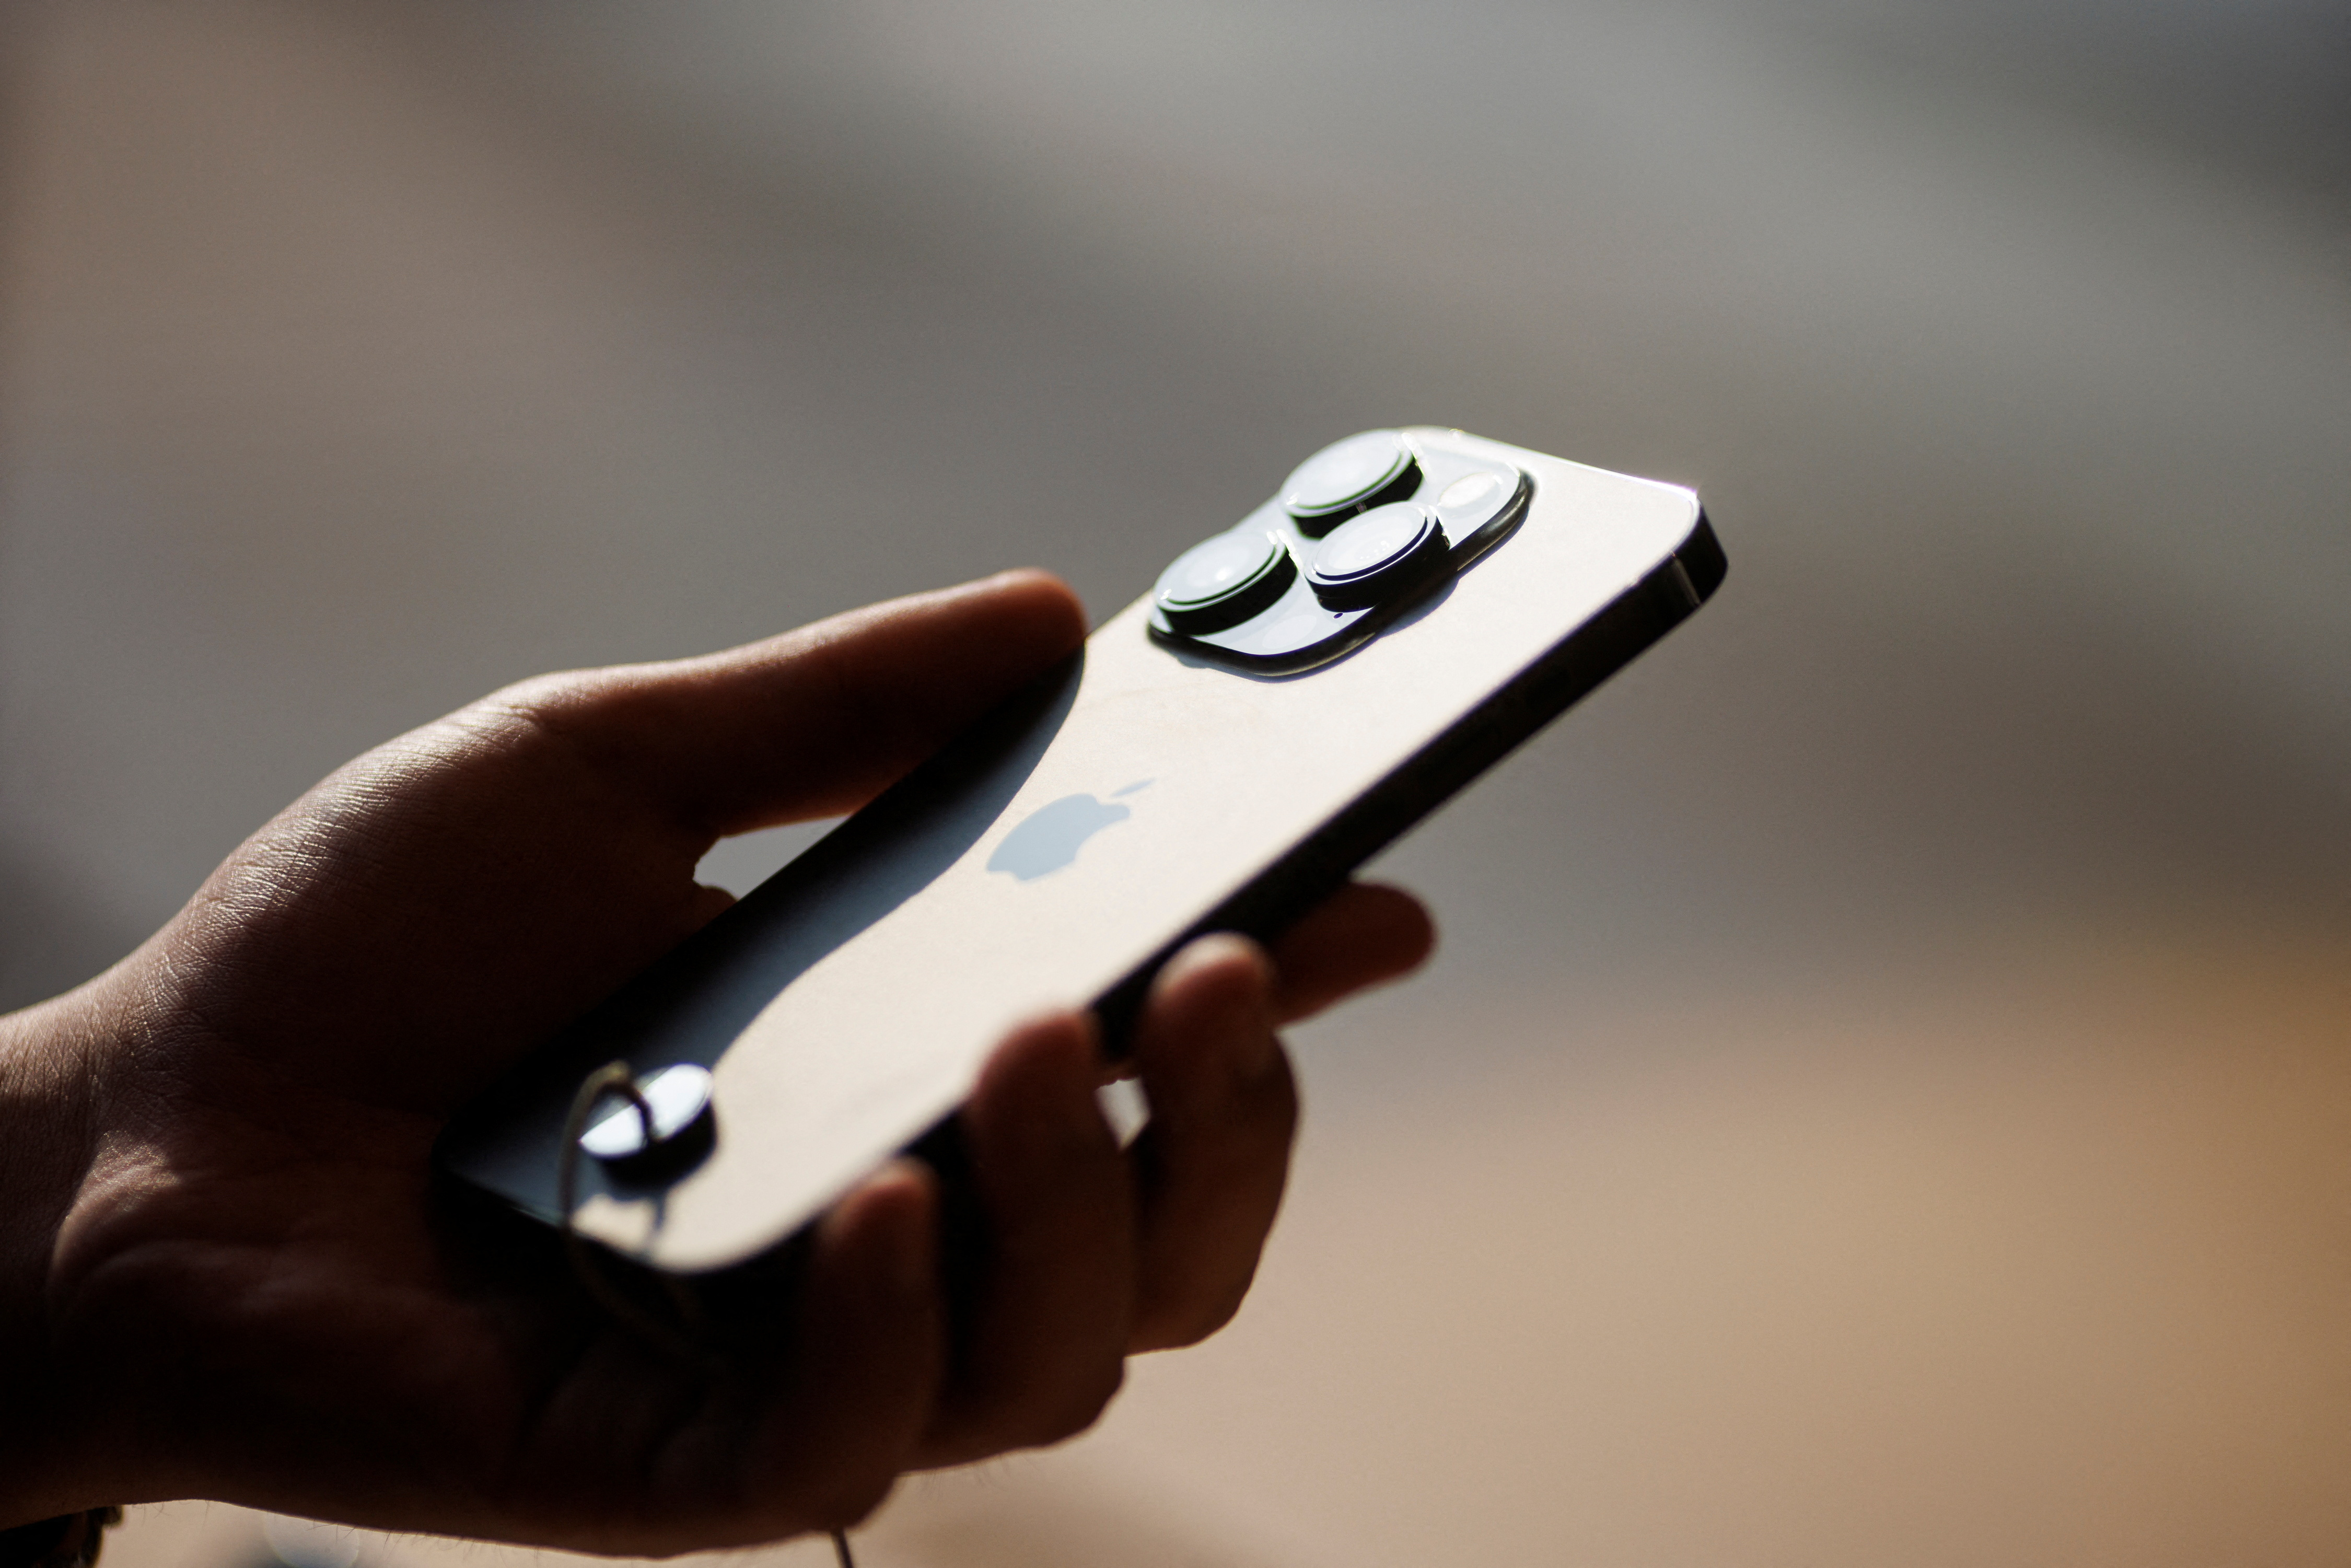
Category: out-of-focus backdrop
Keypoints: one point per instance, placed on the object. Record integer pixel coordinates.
(1886, 1093)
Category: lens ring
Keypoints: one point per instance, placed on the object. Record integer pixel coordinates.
(1375, 555)
(1222, 581)
(1346, 475)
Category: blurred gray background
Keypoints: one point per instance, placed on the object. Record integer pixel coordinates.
(1886, 1093)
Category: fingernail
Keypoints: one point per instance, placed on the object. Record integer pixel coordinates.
(908, 1247)
(1235, 1017)
(1211, 951)
(1259, 1051)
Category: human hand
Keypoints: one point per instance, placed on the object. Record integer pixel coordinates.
(223, 1273)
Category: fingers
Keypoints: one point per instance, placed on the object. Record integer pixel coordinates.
(632, 1451)
(1361, 936)
(815, 722)
(1048, 1331)
(1092, 1253)
(871, 1361)
(1212, 1161)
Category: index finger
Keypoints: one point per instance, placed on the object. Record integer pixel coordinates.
(817, 721)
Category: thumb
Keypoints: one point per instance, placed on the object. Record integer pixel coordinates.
(812, 723)
(477, 882)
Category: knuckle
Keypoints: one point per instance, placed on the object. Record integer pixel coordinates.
(546, 699)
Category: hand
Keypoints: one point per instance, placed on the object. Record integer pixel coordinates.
(223, 1273)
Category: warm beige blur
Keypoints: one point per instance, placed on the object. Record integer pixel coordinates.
(1885, 1095)
(2035, 1257)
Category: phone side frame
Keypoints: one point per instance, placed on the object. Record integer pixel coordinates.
(1303, 876)
(1513, 714)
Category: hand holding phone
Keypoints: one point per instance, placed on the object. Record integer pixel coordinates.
(231, 1273)
(1296, 690)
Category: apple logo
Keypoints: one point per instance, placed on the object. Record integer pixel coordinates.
(1053, 833)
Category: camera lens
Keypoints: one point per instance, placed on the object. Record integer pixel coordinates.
(1223, 581)
(1348, 476)
(1375, 555)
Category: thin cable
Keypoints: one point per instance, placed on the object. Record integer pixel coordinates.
(615, 1078)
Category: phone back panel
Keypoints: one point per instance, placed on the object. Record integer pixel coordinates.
(1054, 856)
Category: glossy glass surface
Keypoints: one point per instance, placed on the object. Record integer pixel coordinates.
(1369, 556)
(1344, 473)
(1222, 581)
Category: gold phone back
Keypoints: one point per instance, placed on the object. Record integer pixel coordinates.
(847, 1005)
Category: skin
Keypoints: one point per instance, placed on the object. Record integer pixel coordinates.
(228, 1274)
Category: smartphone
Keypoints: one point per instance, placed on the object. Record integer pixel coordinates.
(1295, 692)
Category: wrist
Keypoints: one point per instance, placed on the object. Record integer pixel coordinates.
(45, 1145)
